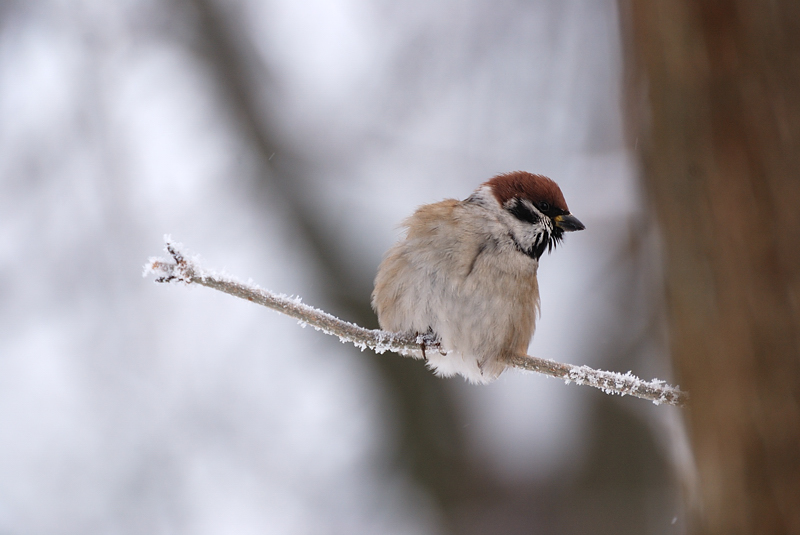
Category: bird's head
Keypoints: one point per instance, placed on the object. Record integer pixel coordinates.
(539, 213)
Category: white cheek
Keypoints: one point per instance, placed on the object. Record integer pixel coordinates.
(528, 235)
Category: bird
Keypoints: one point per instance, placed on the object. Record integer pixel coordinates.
(464, 275)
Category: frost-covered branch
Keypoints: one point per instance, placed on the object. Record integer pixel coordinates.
(187, 270)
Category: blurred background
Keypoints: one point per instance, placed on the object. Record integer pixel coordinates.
(285, 141)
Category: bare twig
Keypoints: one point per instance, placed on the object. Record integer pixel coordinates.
(182, 269)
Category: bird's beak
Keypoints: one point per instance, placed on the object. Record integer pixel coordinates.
(568, 223)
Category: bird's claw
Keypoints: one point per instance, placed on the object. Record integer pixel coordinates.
(429, 339)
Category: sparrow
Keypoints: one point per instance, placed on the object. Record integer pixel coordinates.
(464, 274)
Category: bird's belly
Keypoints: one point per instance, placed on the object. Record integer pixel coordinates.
(490, 319)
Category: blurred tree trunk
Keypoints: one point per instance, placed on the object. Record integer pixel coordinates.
(715, 110)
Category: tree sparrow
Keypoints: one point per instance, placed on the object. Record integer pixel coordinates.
(464, 276)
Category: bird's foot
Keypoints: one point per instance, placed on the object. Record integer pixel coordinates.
(429, 339)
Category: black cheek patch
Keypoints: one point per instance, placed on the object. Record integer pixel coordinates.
(519, 210)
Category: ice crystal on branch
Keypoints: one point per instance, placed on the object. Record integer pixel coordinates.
(182, 268)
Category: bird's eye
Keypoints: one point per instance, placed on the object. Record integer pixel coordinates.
(544, 206)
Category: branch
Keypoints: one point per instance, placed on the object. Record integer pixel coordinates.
(188, 271)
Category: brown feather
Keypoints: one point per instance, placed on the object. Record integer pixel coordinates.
(526, 185)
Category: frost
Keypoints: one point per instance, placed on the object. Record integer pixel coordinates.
(625, 384)
(153, 267)
(183, 268)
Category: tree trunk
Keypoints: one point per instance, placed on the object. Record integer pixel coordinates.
(715, 111)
